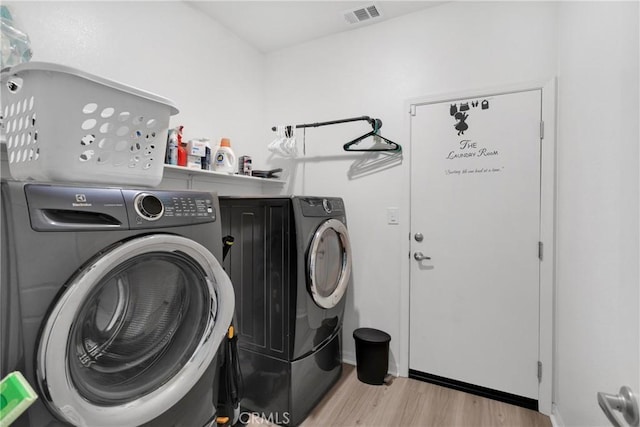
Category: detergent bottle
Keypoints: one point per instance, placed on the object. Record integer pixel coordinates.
(172, 147)
(224, 160)
(182, 149)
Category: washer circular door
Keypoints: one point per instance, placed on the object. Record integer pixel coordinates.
(329, 263)
(134, 331)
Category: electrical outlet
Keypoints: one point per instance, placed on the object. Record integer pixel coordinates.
(393, 216)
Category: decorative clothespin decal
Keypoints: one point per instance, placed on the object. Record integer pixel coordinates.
(458, 112)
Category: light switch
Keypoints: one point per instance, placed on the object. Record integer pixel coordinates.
(393, 215)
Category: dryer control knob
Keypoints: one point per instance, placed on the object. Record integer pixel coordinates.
(149, 206)
(326, 204)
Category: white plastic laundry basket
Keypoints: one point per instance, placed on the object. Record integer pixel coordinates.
(65, 125)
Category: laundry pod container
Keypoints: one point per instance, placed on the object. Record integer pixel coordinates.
(372, 355)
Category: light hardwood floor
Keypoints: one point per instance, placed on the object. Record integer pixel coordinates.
(408, 402)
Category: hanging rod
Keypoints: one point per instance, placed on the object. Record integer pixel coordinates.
(376, 124)
(372, 122)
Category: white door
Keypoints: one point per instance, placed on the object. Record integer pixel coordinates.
(475, 212)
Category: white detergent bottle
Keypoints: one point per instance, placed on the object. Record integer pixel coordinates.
(224, 159)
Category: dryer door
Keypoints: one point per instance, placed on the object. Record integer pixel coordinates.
(134, 331)
(329, 266)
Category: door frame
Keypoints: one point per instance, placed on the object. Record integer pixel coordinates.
(547, 229)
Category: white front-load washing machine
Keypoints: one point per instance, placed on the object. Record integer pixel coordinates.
(113, 302)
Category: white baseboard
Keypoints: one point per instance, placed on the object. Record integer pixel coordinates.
(556, 419)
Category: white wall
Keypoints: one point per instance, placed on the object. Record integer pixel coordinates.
(374, 71)
(593, 48)
(597, 327)
(218, 83)
(168, 48)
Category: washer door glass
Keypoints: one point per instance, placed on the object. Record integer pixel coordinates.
(134, 331)
(138, 327)
(329, 263)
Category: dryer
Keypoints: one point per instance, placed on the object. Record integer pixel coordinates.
(114, 304)
(290, 265)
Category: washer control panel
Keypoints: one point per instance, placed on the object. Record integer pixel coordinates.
(322, 206)
(58, 207)
(185, 206)
(170, 208)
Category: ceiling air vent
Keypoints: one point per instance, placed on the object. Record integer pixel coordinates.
(362, 14)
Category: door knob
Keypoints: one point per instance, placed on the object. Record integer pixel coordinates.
(419, 256)
(625, 402)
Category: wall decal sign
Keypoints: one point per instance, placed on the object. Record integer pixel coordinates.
(469, 149)
(461, 126)
(472, 171)
(469, 155)
(458, 112)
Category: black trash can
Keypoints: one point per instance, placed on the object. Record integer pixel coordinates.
(372, 355)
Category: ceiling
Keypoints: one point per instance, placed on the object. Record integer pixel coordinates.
(273, 25)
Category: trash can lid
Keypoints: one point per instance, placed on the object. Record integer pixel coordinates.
(371, 335)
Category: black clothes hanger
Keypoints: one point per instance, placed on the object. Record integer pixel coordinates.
(376, 124)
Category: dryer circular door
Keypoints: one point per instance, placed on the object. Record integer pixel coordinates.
(134, 331)
(329, 263)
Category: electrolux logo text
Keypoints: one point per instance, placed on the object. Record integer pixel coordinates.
(81, 201)
(265, 418)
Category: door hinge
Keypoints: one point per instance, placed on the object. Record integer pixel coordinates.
(540, 250)
(541, 129)
(539, 371)
(412, 109)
